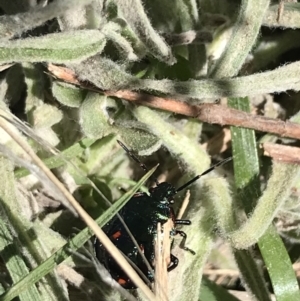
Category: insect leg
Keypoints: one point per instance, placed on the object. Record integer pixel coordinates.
(174, 263)
(182, 244)
(185, 222)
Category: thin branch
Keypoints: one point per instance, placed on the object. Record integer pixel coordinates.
(214, 113)
(162, 245)
(283, 153)
(210, 113)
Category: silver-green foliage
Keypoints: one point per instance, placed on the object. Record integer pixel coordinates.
(127, 44)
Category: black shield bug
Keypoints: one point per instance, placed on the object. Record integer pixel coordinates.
(141, 215)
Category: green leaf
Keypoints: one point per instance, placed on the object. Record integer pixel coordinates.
(246, 165)
(12, 223)
(59, 47)
(183, 148)
(104, 73)
(67, 94)
(134, 13)
(278, 189)
(143, 142)
(242, 38)
(94, 118)
(61, 159)
(14, 261)
(13, 24)
(279, 266)
(217, 192)
(281, 79)
(246, 171)
(212, 292)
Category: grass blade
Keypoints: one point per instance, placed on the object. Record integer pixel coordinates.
(273, 251)
(246, 171)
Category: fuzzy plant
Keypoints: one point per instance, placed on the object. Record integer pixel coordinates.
(181, 83)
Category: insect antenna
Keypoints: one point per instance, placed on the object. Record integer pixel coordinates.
(204, 173)
(135, 158)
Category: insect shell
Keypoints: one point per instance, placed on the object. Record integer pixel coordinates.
(141, 215)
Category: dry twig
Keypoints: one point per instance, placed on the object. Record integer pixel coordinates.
(283, 153)
(162, 260)
(207, 112)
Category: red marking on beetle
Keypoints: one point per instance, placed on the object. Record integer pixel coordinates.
(116, 235)
(122, 281)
